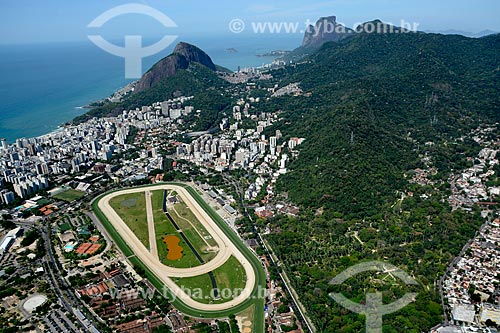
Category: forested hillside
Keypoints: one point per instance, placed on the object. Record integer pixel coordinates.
(375, 99)
(375, 107)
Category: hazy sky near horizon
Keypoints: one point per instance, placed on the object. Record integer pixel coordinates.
(30, 21)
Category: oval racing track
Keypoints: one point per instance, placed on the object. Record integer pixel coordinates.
(165, 273)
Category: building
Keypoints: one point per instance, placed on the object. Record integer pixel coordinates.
(230, 209)
(175, 113)
(464, 313)
(25, 188)
(252, 243)
(6, 244)
(165, 108)
(9, 239)
(489, 312)
(7, 197)
(273, 145)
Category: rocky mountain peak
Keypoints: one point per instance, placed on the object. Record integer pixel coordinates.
(184, 54)
(325, 30)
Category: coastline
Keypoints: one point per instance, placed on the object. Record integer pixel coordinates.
(56, 130)
(60, 103)
(85, 108)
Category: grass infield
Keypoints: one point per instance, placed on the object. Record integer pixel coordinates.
(164, 227)
(132, 210)
(230, 278)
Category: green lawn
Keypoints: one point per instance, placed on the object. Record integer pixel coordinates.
(231, 275)
(70, 195)
(64, 227)
(164, 227)
(132, 209)
(230, 278)
(194, 231)
(198, 287)
(188, 221)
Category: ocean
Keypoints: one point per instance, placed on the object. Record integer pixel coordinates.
(45, 85)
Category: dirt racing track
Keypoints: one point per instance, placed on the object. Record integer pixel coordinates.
(165, 273)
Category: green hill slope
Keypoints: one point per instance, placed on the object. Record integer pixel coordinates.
(375, 101)
(369, 96)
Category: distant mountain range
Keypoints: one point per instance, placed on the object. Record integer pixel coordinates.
(325, 30)
(163, 80)
(483, 33)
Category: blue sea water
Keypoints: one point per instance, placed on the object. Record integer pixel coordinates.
(43, 86)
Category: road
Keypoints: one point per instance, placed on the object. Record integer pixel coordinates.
(151, 225)
(449, 269)
(165, 273)
(62, 290)
(284, 278)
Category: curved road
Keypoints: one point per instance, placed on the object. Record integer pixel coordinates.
(165, 273)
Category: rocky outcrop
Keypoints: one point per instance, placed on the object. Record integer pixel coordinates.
(194, 54)
(184, 54)
(325, 30)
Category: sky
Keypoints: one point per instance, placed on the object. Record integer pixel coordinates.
(34, 21)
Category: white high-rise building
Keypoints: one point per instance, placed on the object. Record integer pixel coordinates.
(273, 141)
(262, 147)
(19, 143)
(7, 197)
(175, 113)
(165, 108)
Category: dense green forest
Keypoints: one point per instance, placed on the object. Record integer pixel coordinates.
(375, 99)
(373, 102)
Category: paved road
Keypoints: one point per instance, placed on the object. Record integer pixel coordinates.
(286, 281)
(63, 292)
(151, 225)
(164, 273)
(284, 278)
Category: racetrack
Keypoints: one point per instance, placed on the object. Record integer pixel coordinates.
(165, 273)
(151, 225)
